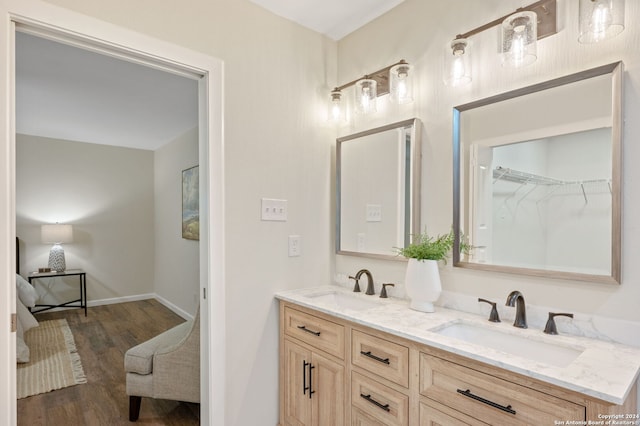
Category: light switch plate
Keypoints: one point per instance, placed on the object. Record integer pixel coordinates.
(294, 245)
(374, 213)
(273, 209)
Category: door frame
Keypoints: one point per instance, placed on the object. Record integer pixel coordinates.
(129, 45)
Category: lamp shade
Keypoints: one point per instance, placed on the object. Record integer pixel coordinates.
(519, 39)
(56, 234)
(401, 87)
(366, 93)
(600, 20)
(457, 66)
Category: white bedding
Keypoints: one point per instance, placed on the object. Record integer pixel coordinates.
(26, 321)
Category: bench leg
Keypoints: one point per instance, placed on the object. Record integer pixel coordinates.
(134, 407)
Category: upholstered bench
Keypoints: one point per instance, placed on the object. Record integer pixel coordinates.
(165, 367)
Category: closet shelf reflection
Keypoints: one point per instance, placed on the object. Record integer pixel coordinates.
(524, 178)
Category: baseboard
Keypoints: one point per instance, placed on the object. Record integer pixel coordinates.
(184, 314)
(165, 302)
(123, 299)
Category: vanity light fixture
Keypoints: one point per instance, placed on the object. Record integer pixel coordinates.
(520, 32)
(600, 20)
(395, 80)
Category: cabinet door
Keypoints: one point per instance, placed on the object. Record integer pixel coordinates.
(328, 397)
(297, 405)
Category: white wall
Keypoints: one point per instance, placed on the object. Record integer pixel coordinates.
(176, 260)
(418, 31)
(277, 79)
(106, 193)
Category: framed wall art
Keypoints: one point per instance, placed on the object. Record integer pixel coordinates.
(190, 204)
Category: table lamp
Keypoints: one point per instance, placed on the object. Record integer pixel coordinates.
(56, 234)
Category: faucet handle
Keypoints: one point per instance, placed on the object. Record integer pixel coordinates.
(383, 292)
(493, 316)
(550, 327)
(356, 287)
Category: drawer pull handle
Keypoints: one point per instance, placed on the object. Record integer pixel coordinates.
(385, 407)
(468, 394)
(304, 328)
(370, 355)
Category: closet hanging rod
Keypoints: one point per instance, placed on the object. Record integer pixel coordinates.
(511, 175)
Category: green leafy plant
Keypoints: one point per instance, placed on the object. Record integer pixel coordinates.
(425, 247)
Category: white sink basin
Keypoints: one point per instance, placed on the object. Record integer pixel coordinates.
(343, 301)
(535, 350)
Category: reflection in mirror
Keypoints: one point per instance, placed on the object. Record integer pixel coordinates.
(537, 178)
(378, 190)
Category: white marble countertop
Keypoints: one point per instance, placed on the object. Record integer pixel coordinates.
(602, 370)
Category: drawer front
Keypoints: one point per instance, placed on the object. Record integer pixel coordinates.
(433, 414)
(490, 399)
(382, 357)
(320, 333)
(380, 402)
(360, 418)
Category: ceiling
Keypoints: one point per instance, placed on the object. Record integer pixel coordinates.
(69, 93)
(333, 18)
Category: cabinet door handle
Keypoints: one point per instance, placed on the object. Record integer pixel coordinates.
(370, 355)
(468, 394)
(304, 328)
(385, 407)
(311, 391)
(304, 377)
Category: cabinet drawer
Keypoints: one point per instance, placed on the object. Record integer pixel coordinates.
(380, 402)
(360, 418)
(386, 359)
(490, 399)
(322, 334)
(434, 414)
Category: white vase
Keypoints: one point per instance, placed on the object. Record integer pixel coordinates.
(422, 283)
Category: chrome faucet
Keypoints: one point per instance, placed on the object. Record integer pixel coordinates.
(370, 289)
(516, 299)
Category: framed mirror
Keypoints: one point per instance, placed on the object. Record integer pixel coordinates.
(537, 178)
(378, 190)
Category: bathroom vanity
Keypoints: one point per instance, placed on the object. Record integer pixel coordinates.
(347, 358)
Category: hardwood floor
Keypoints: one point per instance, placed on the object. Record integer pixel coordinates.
(102, 338)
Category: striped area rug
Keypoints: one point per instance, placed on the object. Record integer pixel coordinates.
(54, 362)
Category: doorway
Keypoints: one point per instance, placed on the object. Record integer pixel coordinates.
(154, 53)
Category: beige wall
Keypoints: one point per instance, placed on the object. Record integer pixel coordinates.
(176, 260)
(277, 79)
(106, 193)
(418, 31)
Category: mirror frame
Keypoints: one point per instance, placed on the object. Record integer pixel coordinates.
(617, 76)
(416, 162)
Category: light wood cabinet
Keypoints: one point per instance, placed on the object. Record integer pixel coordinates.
(312, 383)
(490, 399)
(381, 379)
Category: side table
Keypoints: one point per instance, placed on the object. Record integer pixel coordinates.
(82, 276)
